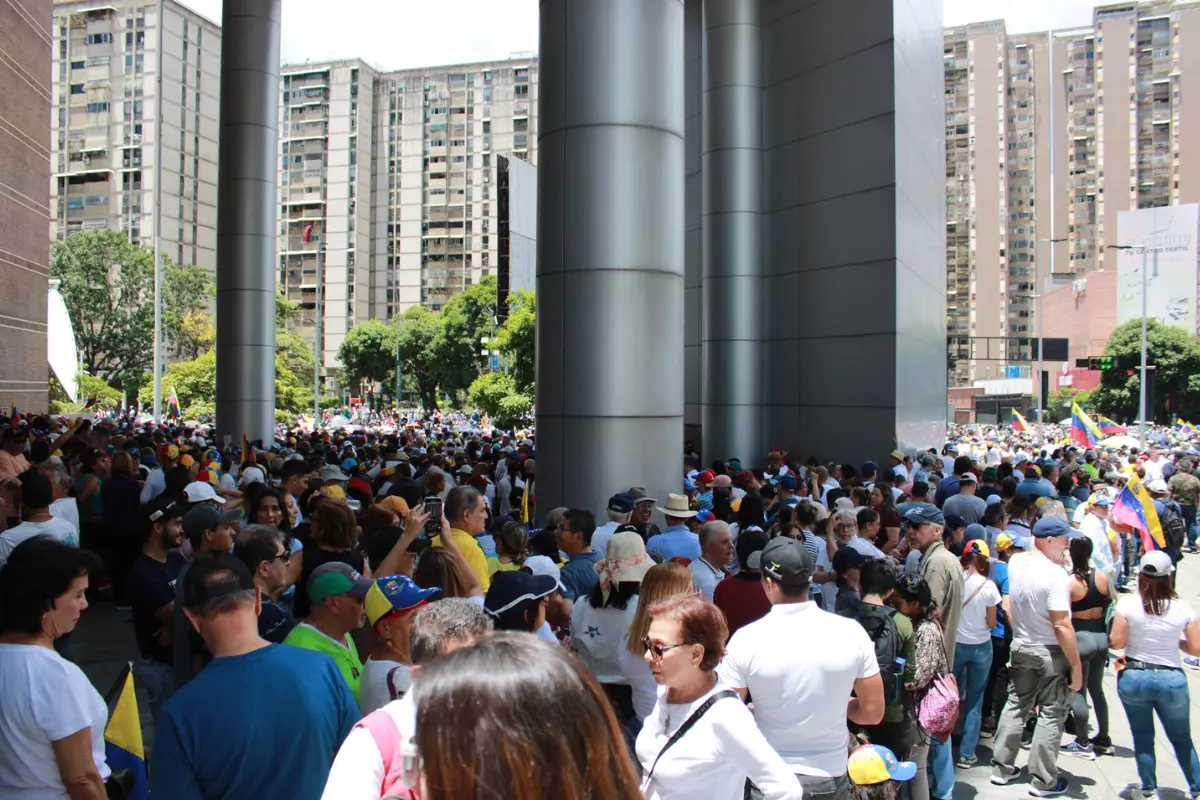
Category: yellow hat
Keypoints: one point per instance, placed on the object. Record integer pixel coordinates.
(187, 461)
(1003, 542)
(395, 504)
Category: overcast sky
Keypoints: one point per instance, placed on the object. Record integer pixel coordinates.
(397, 34)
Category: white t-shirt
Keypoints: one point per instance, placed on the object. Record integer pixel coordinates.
(801, 690)
(156, 484)
(375, 691)
(714, 758)
(596, 635)
(1155, 640)
(972, 622)
(865, 547)
(67, 509)
(1096, 530)
(54, 527)
(46, 698)
(1154, 469)
(640, 679)
(705, 576)
(601, 536)
(357, 771)
(1036, 586)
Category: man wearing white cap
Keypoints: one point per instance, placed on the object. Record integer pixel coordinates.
(677, 541)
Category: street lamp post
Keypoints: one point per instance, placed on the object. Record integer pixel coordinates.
(1041, 288)
(1143, 368)
(158, 171)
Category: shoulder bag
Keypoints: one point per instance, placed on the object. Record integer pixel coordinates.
(684, 728)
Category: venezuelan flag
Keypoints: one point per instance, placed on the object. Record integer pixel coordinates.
(1019, 423)
(1108, 427)
(1135, 508)
(1083, 431)
(123, 734)
(1186, 427)
(246, 456)
(173, 409)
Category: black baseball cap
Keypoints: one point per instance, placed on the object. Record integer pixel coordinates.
(785, 561)
(214, 574)
(510, 589)
(161, 509)
(847, 558)
(205, 516)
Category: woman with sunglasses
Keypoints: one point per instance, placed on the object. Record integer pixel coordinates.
(701, 740)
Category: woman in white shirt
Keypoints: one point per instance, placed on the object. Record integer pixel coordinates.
(701, 740)
(973, 653)
(51, 718)
(660, 582)
(1152, 627)
(600, 621)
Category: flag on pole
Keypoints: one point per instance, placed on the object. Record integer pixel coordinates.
(1108, 427)
(1134, 507)
(1019, 423)
(246, 456)
(1186, 427)
(173, 409)
(123, 735)
(308, 232)
(1083, 431)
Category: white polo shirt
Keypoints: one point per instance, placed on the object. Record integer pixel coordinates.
(800, 664)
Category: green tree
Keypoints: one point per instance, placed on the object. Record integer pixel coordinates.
(1058, 405)
(294, 366)
(108, 286)
(517, 339)
(368, 353)
(466, 319)
(419, 330)
(89, 387)
(496, 395)
(1175, 353)
(187, 292)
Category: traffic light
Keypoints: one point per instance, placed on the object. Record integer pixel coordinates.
(1109, 363)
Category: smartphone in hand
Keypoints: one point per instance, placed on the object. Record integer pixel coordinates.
(433, 511)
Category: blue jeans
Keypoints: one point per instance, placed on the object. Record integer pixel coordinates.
(1189, 520)
(972, 663)
(1144, 693)
(941, 765)
(157, 679)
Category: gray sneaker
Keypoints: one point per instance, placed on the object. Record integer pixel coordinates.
(1002, 775)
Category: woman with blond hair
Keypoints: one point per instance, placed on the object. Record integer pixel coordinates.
(660, 582)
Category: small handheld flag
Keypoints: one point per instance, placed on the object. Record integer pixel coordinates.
(1083, 431)
(123, 735)
(246, 454)
(173, 409)
(1108, 427)
(1019, 423)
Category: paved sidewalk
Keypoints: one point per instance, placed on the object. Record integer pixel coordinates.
(1108, 776)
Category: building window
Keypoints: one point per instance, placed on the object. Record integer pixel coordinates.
(99, 38)
(76, 88)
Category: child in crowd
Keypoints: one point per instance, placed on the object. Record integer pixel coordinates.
(875, 774)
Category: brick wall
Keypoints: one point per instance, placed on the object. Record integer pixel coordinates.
(24, 201)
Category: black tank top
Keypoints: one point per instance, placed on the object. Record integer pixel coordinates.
(1093, 599)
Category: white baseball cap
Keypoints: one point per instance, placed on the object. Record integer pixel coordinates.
(542, 565)
(202, 492)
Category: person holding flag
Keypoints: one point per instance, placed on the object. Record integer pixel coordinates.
(1134, 508)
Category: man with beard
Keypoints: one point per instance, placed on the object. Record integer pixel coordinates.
(150, 589)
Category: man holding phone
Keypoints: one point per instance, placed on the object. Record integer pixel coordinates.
(466, 511)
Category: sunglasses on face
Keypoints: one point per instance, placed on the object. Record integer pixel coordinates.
(658, 650)
(286, 555)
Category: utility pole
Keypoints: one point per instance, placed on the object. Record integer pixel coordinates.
(1041, 288)
(158, 150)
(1148, 242)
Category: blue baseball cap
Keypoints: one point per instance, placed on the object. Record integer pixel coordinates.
(704, 515)
(393, 593)
(788, 483)
(1047, 527)
(924, 515)
(1102, 500)
(621, 503)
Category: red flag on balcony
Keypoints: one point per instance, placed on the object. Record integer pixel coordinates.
(308, 232)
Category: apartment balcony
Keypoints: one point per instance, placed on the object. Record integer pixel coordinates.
(316, 129)
(296, 244)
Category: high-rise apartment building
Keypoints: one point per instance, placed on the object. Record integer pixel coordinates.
(1050, 136)
(103, 124)
(387, 185)
(24, 172)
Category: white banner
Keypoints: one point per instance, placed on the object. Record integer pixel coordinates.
(1164, 239)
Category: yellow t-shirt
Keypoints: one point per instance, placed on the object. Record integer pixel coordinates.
(473, 553)
(496, 565)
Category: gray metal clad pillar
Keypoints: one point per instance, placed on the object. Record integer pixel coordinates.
(732, 389)
(246, 207)
(610, 250)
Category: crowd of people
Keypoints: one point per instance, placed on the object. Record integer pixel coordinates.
(370, 613)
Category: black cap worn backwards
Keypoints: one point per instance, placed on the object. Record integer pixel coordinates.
(785, 561)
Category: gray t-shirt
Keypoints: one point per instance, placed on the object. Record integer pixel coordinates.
(967, 506)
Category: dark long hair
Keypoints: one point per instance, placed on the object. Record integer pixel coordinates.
(1081, 556)
(37, 573)
(1156, 592)
(916, 590)
(515, 712)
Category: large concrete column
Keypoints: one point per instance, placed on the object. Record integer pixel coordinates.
(246, 208)
(732, 377)
(610, 250)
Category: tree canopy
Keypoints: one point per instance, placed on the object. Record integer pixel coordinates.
(1175, 353)
(466, 320)
(517, 340)
(368, 353)
(419, 330)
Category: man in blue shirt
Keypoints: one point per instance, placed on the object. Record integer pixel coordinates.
(677, 541)
(1034, 486)
(260, 720)
(574, 537)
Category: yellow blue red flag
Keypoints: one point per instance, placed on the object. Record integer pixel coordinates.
(123, 734)
(1135, 508)
(1018, 422)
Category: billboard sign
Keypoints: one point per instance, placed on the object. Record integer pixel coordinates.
(1164, 240)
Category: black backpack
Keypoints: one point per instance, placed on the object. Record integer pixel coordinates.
(882, 630)
(1173, 527)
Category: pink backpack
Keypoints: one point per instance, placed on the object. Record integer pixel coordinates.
(937, 707)
(387, 738)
